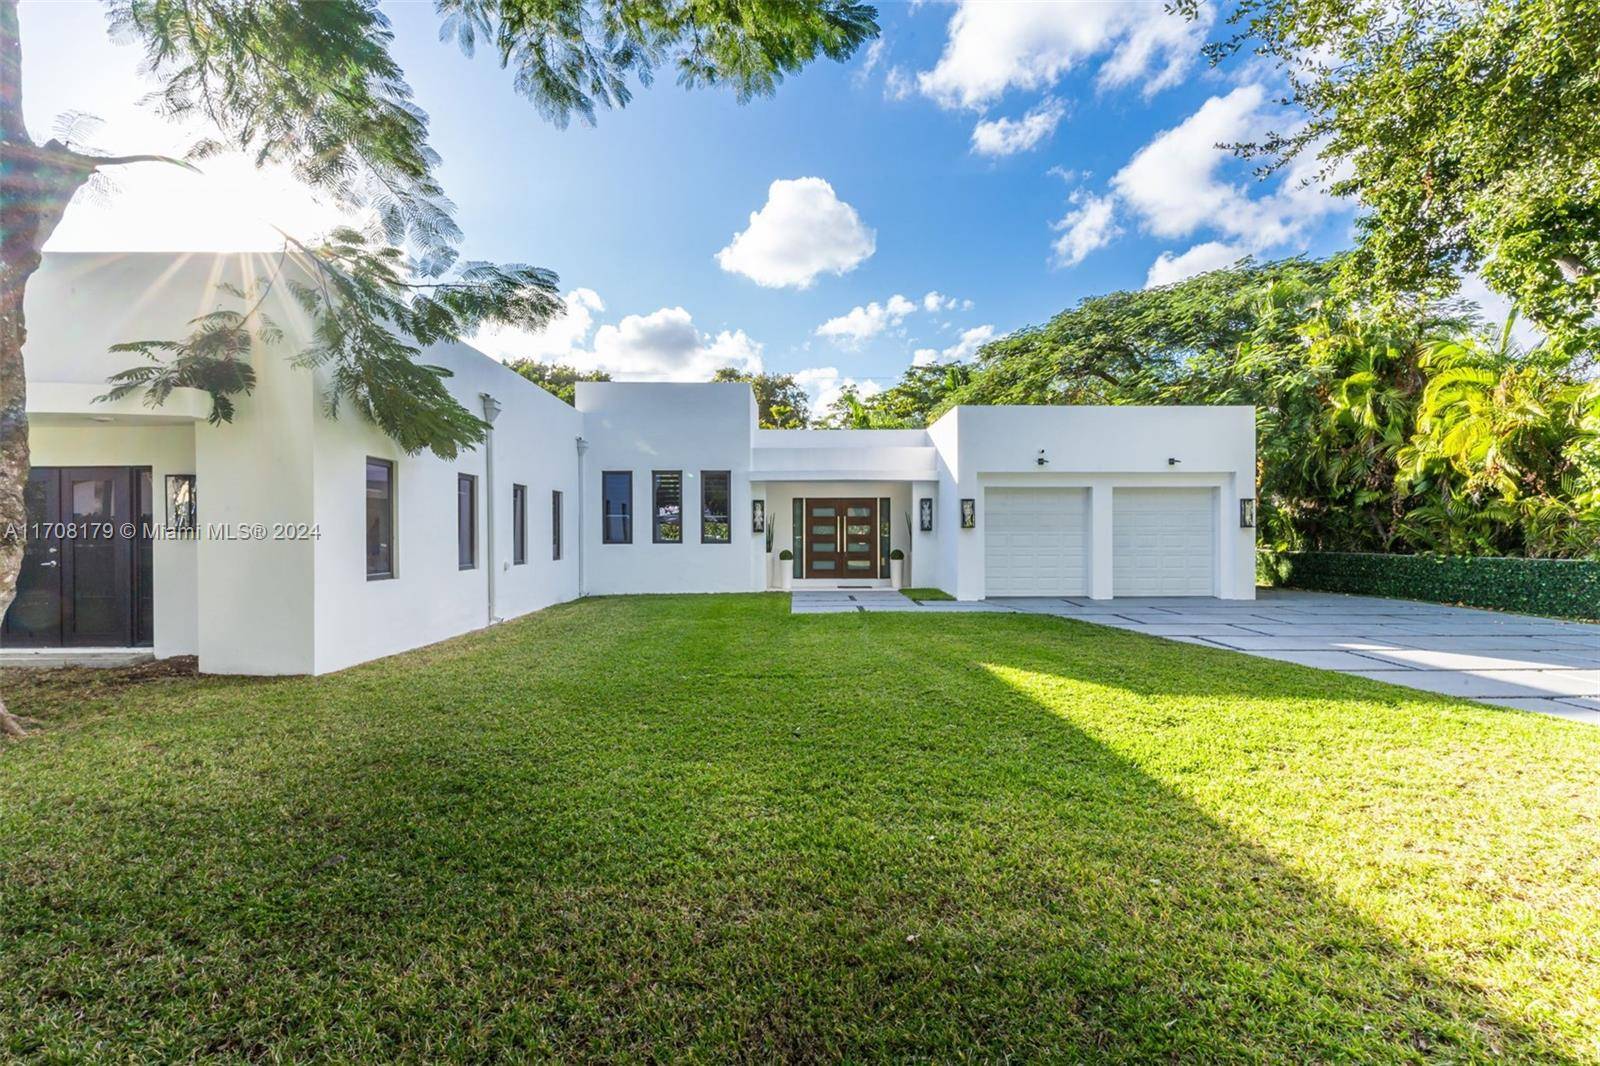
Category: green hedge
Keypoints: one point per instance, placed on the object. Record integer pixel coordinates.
(1568, 588)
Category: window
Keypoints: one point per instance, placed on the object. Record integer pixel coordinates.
(466, 521)
(715, 528)
(380, 519)
(555, 525)
(666, 494)
(616, 502)
(519, 524)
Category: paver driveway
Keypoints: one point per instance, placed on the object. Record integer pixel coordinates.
(1535, 664)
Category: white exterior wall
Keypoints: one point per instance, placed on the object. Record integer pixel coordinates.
(1099, 448)
(284, 605)
(646, 426)
(535, 445)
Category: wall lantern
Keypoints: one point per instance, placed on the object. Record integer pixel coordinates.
(925, 513)
(969, 514)
(758, 516)
(1247, 513)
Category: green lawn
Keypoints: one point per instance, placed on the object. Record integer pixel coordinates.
(927, 594)
(700, 827)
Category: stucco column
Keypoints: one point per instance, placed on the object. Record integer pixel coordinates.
(1100, 542)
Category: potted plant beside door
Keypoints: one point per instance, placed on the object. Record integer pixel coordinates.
(897, 568)
(785, 571)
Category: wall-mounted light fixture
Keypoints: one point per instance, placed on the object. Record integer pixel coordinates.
(969, 513)
(925, 513)
(758, 516)
(1247, 513)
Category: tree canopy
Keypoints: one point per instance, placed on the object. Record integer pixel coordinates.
(558, 379)
(1465, 131)
(781, 402)
(1404, 426)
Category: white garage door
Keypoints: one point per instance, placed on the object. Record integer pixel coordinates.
(1163, 542)
(1036, 542)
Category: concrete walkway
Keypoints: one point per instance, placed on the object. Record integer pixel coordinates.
(1534, 664)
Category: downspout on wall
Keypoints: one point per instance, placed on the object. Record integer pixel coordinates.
(582, 446)
(491, 411)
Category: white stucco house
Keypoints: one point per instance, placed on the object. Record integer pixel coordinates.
(292, 542)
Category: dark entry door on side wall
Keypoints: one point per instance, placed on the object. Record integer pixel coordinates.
(86, 572)
(841, 539)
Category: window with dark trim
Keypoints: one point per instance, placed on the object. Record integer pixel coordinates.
(616, 503)
(380, 519)
(519, 524)
(715, 505)
(666, 503)
(555, 525)
(466, 521)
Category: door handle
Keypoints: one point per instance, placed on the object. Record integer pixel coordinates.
(51, 562)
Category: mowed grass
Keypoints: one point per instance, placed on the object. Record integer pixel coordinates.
(700, 827)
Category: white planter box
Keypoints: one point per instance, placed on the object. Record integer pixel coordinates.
(897, 573)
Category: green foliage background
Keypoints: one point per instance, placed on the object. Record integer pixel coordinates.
(1569, 588)
(1400, 426)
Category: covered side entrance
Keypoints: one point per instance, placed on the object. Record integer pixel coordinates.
(86, 576)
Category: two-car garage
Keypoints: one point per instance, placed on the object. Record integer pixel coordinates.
(1038, 541)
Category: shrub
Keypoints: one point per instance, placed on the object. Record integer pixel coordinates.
(1567, 588)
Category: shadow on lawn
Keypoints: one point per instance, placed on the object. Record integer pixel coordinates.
(934, 864)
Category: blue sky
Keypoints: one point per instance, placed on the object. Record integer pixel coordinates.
(1012, 157)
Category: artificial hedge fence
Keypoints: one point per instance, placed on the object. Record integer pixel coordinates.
(1568, 588)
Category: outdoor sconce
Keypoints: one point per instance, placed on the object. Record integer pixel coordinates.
(925, 513)
(758, 516)
(969, 514)
(1247, 513)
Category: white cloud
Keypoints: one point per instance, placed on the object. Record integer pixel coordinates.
(1212, 255)
(824, 384)
(869, 62)
(1173, 183)
(1088, 227)
(803, 230)
(898, 84)
(1005, 136)
(938, 301)
(665, 346)
(561, 340)
(964, 348)
(995, 47)
(861, 324)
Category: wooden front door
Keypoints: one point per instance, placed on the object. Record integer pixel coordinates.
(841, 539)
(85, 578)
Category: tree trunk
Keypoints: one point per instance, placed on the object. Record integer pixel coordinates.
(36, 184)
(1571, 268)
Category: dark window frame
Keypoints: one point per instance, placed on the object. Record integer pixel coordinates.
(657, 482)
(626, 515)
(519, 524)
(469, 546)
(389, 465)
(727, 516)
(556, 506)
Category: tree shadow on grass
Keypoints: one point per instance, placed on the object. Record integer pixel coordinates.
(859, 839)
